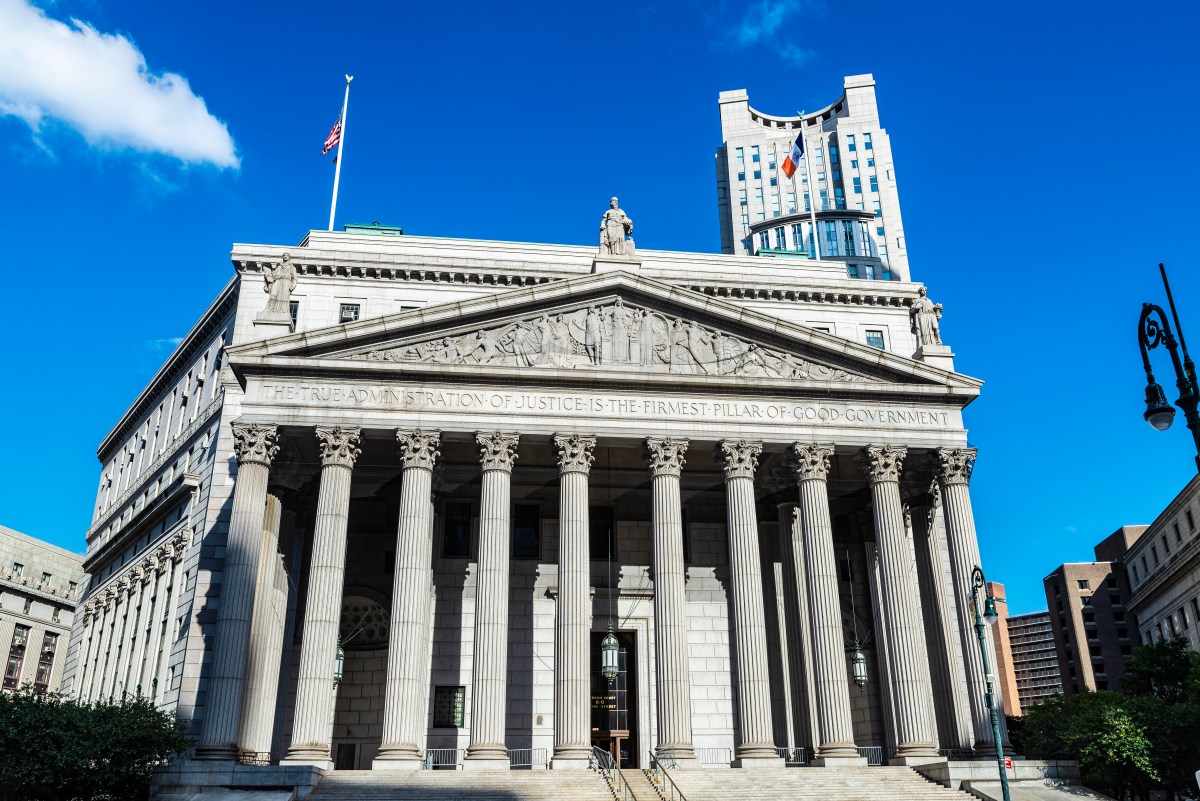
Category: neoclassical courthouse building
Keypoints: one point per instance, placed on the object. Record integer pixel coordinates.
(389, 495)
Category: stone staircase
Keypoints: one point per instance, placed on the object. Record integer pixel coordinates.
(461, 785)
(820, 784)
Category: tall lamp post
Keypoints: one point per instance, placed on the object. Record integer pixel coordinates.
(1154, 330)
(989, 613)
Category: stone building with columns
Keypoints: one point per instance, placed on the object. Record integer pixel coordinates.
(383, 503)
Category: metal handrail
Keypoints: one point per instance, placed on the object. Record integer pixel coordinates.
(441, 758)
(955, 754)
(601, 759)
(873, 753)
(793, 756)
(526, 757)
(662, 782)
(714, 756)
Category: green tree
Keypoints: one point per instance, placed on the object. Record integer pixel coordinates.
(56, 749)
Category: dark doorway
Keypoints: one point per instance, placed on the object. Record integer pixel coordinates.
(614, 706)
(345, 757)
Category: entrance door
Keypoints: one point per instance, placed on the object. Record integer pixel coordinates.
(614, 705)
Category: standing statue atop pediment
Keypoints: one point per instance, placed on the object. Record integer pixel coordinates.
(923, 316)
(280, 281)
(614, 227)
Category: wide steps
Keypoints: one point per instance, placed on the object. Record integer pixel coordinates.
(822, 784)
(444, 785)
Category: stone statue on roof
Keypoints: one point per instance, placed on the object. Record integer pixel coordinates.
(614, 227)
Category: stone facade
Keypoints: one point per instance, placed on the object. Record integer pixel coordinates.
(39, 585)
(432, 465)
(1164, 572)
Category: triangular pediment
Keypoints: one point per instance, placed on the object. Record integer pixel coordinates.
(612, 324)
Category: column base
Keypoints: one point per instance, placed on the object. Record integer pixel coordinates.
(839, 762)
(485, 763)
(206, 753)
(569, 763)
(913, 761)
(325, 764)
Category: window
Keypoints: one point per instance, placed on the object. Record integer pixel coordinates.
(55, 615)
(875, 206)
(764, 240)
(771, 163)
(741, 176)
(774, 182)
(867, 143)
(857, 185)
(1183, 618)
(449, 704)
(824, 200)
(741, 155)
(837, 175)
(1154, 554)
(758, 197)
(874, 183)
(791, 202)
(602, 533)
(294, 310)
(820, 176)
(1119, 617)
(527, 535)
(1111, 583)
(18, 569)
(1089, 617)
(348, 313)
(45, 578)
(833, 154)
(754, 154)
(875, 339)
(820, 156)
(456, 543)
(1191, 520)
(879, 230)
(850, 146)
(16, 657)
(1122, 634)
(758, 175)
(742, 197)
(28, 605)
(41, 679)
(1084, 584)
(1086, 600)
(1178, 533)
(870, 161)
(1126, 650)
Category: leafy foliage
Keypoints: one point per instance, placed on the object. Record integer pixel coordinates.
(1147, 738)
(56, 749)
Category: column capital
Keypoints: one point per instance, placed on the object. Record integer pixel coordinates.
(418, 448)
(739, 457)
(882, 462)
(255, 443)
(812, 461)
(497, 450)
(574, 452)
(339, 446)
(954, 465)
(665, 455)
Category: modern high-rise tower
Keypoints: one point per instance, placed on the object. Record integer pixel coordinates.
(846, 184)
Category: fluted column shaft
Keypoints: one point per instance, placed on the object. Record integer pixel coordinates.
(174, 553)
(813, 539)
(107, 610)
(665, 457)
(908, 670)
(740, 459)
(572, 680)
(312, 731)
(266, 643)
(489, 674)
(255, 447)
(407, 669)
(954, 474)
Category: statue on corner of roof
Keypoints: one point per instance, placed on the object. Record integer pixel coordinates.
(924, 315)
(280, 280)
(614, 227)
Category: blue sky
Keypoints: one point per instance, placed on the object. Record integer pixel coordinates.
(1044, 158)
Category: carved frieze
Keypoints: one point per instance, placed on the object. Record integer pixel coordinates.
(418, 448)
(255, 443)
(882, 462)
(812, 461)
(497, 451)
(739, 457)
(665, 455)
(574, 452)
(612, 335)
(339, 446)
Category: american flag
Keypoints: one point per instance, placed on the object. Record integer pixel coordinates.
(335, 136)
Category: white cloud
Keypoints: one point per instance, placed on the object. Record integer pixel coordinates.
(99, 85)
(774, 23)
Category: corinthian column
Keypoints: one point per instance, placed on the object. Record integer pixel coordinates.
(954, 466)
(255, 445)
(756, 748)
(408, 637)
(266, 643)
(813, 539)
(572, 685)
(912, 695)
(312, 731)
(487, 750)
(665, 457)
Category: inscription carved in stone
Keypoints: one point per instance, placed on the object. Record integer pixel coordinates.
(612, 335)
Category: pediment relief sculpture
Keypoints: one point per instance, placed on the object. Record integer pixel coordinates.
(612, 335)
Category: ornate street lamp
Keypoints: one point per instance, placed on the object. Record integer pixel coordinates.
(1154, 330)
(609, 656)
(339, 664)
(989, 614)
(858, 660)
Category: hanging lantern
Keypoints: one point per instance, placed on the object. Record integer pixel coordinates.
(858, 661)
(339, 662)
(609, 661)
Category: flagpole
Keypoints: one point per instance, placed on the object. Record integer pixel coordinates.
(337, 172)
(812, 197)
